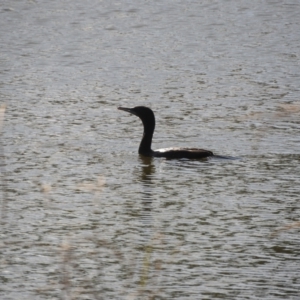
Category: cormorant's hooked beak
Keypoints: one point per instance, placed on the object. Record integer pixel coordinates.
(130, 110)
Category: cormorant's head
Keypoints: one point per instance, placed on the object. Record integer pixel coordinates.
(144, 113)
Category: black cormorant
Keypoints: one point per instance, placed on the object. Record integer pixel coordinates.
(148, 119)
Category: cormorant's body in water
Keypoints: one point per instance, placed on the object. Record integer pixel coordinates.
(148, 119)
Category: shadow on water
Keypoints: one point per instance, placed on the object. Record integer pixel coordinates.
(2, 167)
(225, 157)
(146, 174)
(147, 171)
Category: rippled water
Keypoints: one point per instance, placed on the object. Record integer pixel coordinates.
(83, 216)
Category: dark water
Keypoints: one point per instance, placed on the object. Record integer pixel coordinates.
(83, 216)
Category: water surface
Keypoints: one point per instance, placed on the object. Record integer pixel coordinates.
(83, 216)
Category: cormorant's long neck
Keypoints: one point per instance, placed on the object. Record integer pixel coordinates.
(145, 145)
